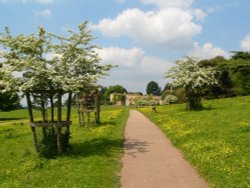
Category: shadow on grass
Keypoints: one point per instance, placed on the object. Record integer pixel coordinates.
(95, 125)
(209, 108)
(95, 147)
(9, 119)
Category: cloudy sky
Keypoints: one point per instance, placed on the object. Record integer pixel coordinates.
(143, 37)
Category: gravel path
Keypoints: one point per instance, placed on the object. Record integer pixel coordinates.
(150, 160)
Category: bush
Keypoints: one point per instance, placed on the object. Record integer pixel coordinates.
(144, 102)
(170, 99)
(153, 103)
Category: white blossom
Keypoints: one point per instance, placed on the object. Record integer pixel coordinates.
(189, 73)
(74, 64)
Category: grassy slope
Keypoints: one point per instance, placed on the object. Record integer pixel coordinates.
(216, 140)
(93, 159)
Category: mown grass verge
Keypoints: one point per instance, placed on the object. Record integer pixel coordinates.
(215, 140)
(93, 159)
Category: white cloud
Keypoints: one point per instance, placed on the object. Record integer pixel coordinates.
(122, 57)
(207, 51)
(135, 68)
(46, 13)
(199, 14)
(169, 28)
(245, 43)
(169, 3)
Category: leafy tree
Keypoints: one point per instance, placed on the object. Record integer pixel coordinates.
(225, 83)
(102, 95)
(240, 73)
(235, 75)
(114, 89)
(153, 88)
(190, 75)
(167, 87)
(73, 66)
(240, 55)
(9, 101)
(74, 62)
(239, 67)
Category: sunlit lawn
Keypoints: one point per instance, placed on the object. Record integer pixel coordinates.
(216, 140)
(93, 159)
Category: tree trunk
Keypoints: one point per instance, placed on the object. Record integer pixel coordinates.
(193, 99)
(59, 128)
(33, 129)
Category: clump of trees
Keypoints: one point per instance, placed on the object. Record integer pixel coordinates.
(211, 78)
(233, 75)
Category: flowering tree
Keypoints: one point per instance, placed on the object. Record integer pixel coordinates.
(47, 66)
(190, 75)
(68, 65)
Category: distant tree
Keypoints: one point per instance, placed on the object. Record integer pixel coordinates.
(102, 95)
(233, 75)
(167, 90)
(114, 89)
(240, 73)
(167, 87)
(193, 77)
(240, 55)
(135, 93)
(9, 101)
(225, 83)
(153, 88)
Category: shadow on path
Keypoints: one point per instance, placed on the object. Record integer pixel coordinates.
(133, 146)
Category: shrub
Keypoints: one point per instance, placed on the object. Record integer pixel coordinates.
(144, 102)
(170, 99)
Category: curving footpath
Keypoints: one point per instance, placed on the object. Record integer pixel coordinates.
(150, 160)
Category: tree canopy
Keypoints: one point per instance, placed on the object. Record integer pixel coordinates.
(240, 55)
(49, 62)
(188, 73)
(153, 88)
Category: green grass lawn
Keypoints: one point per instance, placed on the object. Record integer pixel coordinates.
(215, 140)
(93, 159)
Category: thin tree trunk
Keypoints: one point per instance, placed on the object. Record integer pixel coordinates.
(52, 112)
(59, 128)
(97, 108)
(33, 129)
(68, 117)
(43, 114)
(52, 107)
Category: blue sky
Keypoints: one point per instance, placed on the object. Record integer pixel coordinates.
(143, 37)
